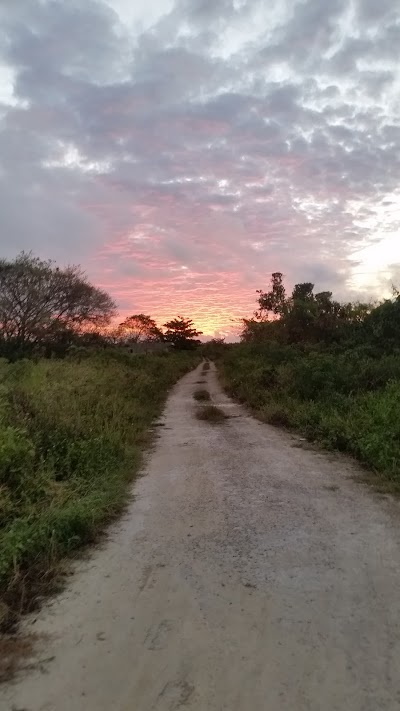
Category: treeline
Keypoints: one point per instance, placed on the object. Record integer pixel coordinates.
(330, 370)
(305, 317)
(46, 310)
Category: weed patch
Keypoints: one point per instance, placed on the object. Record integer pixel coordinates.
(14, 651)
(201, 394)
(347, 401)
(71, 436)
(212, 414)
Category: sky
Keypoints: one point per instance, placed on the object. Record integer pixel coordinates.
(182, 150)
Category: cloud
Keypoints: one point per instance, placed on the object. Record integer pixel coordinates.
(183, 162)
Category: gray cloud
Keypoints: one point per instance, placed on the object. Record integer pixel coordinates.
(184, 156)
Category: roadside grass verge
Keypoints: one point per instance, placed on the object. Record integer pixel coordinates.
(212, 414)
(71, 437)
(201, 394)
(346, 401)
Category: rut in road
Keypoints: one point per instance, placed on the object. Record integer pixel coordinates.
(249, 574)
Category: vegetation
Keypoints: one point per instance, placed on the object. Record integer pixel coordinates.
(44, 308)
(182, 334)
(75, 412)
(329, 370)
(71, 433)
(213, 348)
(201, 394)
(212, 414)
(139, 328)
(72, 425)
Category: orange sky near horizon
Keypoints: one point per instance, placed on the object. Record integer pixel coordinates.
(216, 309)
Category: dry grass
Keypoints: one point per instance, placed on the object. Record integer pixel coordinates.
(14, 651)
(212, 414)
(201, 394)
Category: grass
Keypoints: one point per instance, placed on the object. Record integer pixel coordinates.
(347, 401)
(212, 414)
(14, 650)
(71, 437)
(201, 394)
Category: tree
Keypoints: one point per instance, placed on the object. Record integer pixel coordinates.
(256, 331)
(301, 317)
(113, 336)
(139, 328)
(273, 301)
(382, 325)
(181, 333)
(41, 303)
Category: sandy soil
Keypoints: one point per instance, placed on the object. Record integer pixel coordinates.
(250, 573)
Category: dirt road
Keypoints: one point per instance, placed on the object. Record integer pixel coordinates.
(249, 574)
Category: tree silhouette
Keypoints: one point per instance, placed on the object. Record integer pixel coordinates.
(181, 333)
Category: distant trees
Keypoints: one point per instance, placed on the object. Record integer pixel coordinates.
(139, 328)
(182, 333)
(382, 324)
(45, 309)
(41, 304)
(214, 348)
(302, 316)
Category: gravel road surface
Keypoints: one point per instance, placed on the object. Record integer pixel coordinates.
(250, 573)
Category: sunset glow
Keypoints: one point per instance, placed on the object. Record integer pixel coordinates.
(182, 150)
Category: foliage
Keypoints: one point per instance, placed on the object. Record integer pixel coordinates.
(181, 333)
(71, 433)
(382, 324)
(303, 316)
(328, 369)
(273, 301)
(139, 328)
(348, 400)
(41, 304)
(214, 348)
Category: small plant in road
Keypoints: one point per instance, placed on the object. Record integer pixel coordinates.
(212, 414)
(201, 394)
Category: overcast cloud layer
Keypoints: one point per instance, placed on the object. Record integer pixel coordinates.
(183, 150)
